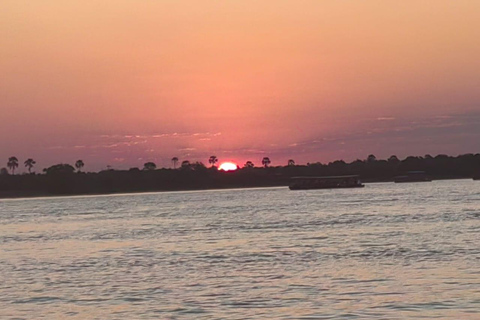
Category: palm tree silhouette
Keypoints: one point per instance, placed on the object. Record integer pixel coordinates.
(266, 161)
(79, 165)
(174, 161)
(12, 164)
(213, 160)
(29, 163)
(291, 162)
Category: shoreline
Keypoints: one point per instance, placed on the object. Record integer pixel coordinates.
(18, 196)
(46, 195)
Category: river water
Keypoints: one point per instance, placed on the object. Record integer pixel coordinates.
(386, 251)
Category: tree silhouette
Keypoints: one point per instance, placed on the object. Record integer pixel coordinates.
(79, 165)
(291, 162)
(12, 164)
(198, 166)
(185, 164)
(371, 158)
(174, 161)
(29, 163)
(59, 169)
(3, 172)
(266, 161)
(149, 166)
(393, 159)
(213, 160)
(248, 164)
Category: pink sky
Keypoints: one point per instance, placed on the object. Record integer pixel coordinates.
(124, 82)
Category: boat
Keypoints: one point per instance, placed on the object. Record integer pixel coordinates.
(306, 183)
(413, 176)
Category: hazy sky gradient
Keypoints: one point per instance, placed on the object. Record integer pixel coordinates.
(122, 82)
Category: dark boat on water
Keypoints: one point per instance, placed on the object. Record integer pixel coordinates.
(413, 176)
(306, 183)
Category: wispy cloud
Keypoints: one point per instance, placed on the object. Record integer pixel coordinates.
(454, 133)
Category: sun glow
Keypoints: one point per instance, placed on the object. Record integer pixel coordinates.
(228, 166)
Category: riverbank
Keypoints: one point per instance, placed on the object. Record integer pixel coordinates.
(38, 194)
(62, 180)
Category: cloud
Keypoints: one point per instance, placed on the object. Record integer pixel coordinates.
(452, 134)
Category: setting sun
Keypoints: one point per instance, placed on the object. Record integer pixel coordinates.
(228, 166)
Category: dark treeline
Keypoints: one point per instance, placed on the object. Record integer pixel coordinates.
(63, 179)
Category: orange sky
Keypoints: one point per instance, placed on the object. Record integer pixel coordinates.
(122, 82)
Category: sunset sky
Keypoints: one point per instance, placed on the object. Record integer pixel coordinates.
(123, 82)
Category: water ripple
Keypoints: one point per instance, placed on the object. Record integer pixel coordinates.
(387, 251)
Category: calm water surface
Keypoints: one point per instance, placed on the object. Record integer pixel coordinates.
(387, 251)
